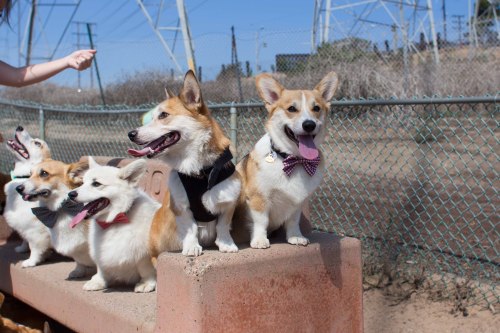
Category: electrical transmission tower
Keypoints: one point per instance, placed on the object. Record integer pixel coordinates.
(404, 19)
(153, 13)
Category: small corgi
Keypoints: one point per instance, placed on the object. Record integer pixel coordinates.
(203, 184)
(28, 152)
(285, 166)
(119, 230)
(49, 185)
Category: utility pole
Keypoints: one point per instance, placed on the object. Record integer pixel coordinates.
(89, 31)
(430, 12)
(235, 62)
(30, 31)
(257, 51)
(186, 34)
(445, 23)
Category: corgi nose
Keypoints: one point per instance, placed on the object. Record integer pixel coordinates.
(308, 125)
(132, 134)
(20, 189)
(72, 194)
(19, 129)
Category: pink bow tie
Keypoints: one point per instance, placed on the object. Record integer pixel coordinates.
(291, 161)
(120, 218)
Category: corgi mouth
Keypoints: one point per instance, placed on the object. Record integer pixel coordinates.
(307, 147)
(35, 194)
(90, 210)
(18, 147)
(156, 146)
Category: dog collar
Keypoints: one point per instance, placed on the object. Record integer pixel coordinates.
(49, 217)
(120, 218)
(196, 185)
(291, 161)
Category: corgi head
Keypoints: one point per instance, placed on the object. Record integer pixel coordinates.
(50, 182)
(108, 191)
(297, 118)
(27, 151)
(181, 129)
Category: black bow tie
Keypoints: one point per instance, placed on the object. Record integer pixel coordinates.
(49, 217)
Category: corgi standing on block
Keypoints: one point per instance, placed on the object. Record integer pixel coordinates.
(121, 216)
(49, 184)
(17, 212)
(203, 184)
(285, 166)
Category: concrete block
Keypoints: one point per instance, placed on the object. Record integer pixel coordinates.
(285, 288)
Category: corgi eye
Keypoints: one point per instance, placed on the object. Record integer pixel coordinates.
(38, 143)
(316, 108)
(43, 173)
(96, 184)
(292, 109)
(163, 115)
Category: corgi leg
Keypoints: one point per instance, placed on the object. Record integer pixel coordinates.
(148, 277)
(97, 282)
(260, 222)
(188, 233)
(293, 234)
(23, 248)
(36, 257)
(224, 240)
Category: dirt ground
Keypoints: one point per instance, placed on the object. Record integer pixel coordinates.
(421, 315)
(415, 315)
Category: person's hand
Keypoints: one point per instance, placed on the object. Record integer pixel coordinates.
(81, 60)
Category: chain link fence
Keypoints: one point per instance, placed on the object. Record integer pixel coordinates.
(416, 180)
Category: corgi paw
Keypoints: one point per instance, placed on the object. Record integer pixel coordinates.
(29, 263)
(228, 248)
(260, 243)
(145, 287)
(192, 251)
(298, 240)
(94, 284)
(23, 248)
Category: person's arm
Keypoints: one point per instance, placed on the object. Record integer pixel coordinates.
(23, 76)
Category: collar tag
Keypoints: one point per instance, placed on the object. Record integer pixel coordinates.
(271, 157)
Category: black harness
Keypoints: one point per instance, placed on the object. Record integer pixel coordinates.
(197, 185)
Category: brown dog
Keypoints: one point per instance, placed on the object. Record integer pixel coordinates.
(8, 326)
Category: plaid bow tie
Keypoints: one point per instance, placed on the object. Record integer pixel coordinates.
(120, 218)
(291, 161)
(49, 217)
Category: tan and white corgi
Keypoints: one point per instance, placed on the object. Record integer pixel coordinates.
(28, 152)
(49, 185)
(286, 165)
(121, 216)
(203, 185)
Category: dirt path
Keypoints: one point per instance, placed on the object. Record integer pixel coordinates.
(420, 315)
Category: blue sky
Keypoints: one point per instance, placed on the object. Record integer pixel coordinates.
(126, 43)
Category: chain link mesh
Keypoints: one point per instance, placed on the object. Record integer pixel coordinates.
(416, 181)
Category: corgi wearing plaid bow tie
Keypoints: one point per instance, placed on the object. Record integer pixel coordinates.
(286, 165)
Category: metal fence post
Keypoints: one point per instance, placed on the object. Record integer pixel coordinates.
(41, 118)
(234, 131)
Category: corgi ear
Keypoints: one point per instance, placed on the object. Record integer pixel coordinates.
(328, 86)
(76, 172)
(133, 171)
(191, 92)
(269, 89)
(92, 163)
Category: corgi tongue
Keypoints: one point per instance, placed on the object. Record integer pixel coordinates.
(307, 148)
(78, 218)
(139, 153)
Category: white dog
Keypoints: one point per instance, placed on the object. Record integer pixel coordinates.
(119, 230)
(17, 213)
(49, 185)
